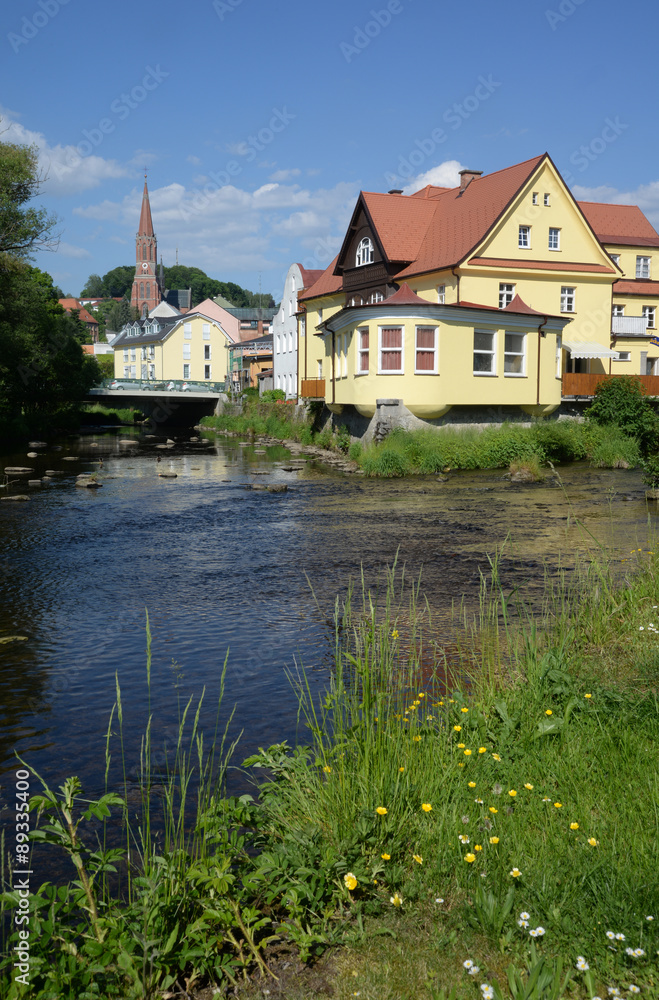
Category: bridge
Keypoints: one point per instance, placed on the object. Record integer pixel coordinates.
(161, 406)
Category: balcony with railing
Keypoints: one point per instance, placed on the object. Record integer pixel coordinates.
(576, 384)
(313, 388)
(629, 326)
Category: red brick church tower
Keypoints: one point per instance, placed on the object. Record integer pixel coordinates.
(146, 294)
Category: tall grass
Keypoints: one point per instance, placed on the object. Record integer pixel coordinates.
(426, 451)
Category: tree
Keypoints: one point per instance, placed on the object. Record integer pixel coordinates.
(23, 229)
(93, 288)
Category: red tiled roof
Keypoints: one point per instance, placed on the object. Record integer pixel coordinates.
(521, 309)
(518, 305)
(88, 348)
(401, 223)
(624, 224)
(309, 275)
(645, 288)
(405, 297)
(429, 191)
(327, 283)
(541, 265)
(70, 304)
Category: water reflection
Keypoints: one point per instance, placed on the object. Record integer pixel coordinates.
(221, 567)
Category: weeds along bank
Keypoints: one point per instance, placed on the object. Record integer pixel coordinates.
(465, 819)
(404, 453)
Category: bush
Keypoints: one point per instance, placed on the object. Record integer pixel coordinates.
(620, 401)
(272, 395)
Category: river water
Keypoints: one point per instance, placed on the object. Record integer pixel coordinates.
(224, 571)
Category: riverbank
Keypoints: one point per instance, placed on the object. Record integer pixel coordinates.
(445, 790)
(405, 453)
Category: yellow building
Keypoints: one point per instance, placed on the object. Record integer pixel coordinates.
(486, 295)
(190, 347)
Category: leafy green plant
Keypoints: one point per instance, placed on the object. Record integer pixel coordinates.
(621, 401)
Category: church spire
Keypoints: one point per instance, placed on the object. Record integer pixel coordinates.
(146, 223)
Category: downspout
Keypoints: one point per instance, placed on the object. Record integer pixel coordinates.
(540, 336)
(333, 368)
(457, 278)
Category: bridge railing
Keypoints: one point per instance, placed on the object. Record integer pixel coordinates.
(161, 385)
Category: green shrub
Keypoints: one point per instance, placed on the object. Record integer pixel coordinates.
(271, 395)
(621, 402)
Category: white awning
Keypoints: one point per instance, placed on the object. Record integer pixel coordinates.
(588, 349)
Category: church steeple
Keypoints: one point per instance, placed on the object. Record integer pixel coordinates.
(146, 293)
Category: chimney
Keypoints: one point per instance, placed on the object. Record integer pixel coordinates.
(395, 191)
(466, 177)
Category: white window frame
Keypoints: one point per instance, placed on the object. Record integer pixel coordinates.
(206, 331)
(207, 377)
(152, 371)
(651, 313)
(493, 354)
(365, 252)
(643, 267)
(615, 257)
(187, 331)
(187, 349)
(186, 371)
(426, 371)
(546, 200)
(152, 352)
(559, 352)
(506, 289)
(624, 356)
(568, 299)
(554, 239)
(126, 371)
(376, 297)
(207, 352)
(524, 238)
(133, 371)
(391, 350)
(534, 198)
(363, 351)
(290, 342)
(618, 310)
(133, 355)
(441, 294)
(514, 354)
(278, 343)
(125, 354)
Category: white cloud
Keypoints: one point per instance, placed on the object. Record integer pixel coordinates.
(69, 250)
(63, 169)
(194, 160)
(285, 175)
(446, 174)
(646, 196)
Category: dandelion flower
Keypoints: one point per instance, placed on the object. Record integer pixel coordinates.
(497, 789)
(381, 810)
(494, 840)
(457, 729)
(470, 858)
(496, 756)
(467, 753)
(512, 793)
(464, 709)
(549, 712)
(401, 769)
(581, 964)
(396, 899)
(426, 806)
(472, 784)
(593, 842)
(529, 786)
(386, 857)
(327, 769)
(574, 826)
(350, 880)
(493, 809)
(515, 872)
(418, 859)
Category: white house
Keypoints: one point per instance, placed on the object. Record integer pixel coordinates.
(284, 329)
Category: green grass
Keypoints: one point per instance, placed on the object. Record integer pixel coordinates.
(534, 735)
(97, 414)
(426, 451)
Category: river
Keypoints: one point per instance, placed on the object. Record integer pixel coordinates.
(224, 570)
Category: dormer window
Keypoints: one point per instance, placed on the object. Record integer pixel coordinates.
(365, 254)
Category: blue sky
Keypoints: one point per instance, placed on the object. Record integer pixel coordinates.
(260, 122)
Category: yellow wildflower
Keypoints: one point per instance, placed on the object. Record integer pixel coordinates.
(515, 873)
(467, 753)
(396, 899)
(588, 696)
(482, 749)
(426, 807)
(559, 805)
(401, 769)
(593, 842)
(512, 793)
(549, 712)
(574, 826)
(472, 784)
(477, 847)
(529, 786)
(494, 840)
(464, 709)
(418, 859)
(461, 746)
(386, 857)
(394, 634)
(327, 769)
(493, 809)
(422, 694)
(469, 858)
(417, 739)
(496, 756)
(457, 729)
(381, 810)
(350, 880)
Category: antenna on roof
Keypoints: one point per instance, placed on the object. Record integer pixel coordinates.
(260, 302)
(177, 255)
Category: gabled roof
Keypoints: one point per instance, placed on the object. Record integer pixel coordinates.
(429, 191)
(309, 275)
(404, 297)
(621, 224)
(326, 284)
(83, 314)
(400, 223)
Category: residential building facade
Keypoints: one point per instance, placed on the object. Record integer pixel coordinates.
(285, 329)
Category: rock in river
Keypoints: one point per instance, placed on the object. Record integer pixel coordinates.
(17, 469)
(18, 496)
